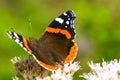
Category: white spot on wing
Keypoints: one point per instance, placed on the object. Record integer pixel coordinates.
(68, 18)
(17, 40)
(60, 20)
(16, 36)
(65, 13)
(65, 26)
(67, 22)
(9, 34)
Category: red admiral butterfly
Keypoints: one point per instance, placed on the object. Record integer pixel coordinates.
(56, 46)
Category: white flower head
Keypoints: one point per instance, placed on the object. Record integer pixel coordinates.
(104, 71)
(62, 74)
(29, 69)
(15, 78)
(15, 59)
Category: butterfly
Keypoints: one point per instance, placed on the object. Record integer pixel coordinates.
(56, 46)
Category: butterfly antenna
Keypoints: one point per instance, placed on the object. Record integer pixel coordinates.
(30, 25)
(12, 29)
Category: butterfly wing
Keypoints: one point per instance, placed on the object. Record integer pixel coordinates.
(56, 46)
(20, 40)
(60, 34)
(64, 24)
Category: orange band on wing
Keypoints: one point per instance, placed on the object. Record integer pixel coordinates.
(66, 33)
(49, 67)
(58, 30)
(26, 45)
(72, 54)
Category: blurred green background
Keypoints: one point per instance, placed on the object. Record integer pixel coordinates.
(97, 28)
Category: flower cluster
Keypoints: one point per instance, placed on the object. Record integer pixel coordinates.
(62, 74)
(104, 71)
(29, 69)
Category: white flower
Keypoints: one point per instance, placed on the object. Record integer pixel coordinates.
(15, 78)
(29, 69)
(104, 71)
(62, 74)
(15, 59)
